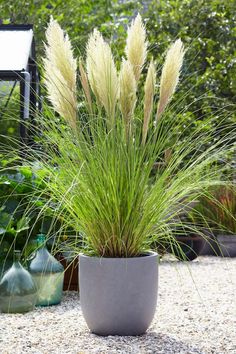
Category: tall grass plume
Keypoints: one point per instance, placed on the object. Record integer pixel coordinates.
(127, 93)
(60, 73)
(136, 46)
(170, 74)
(102, 73)
(149, 91)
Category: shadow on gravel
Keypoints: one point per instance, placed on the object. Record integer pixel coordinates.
(149, 343)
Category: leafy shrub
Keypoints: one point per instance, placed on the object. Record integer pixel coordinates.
(16, 188)
(21, 200)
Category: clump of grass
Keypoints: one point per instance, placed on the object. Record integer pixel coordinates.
(101, 170)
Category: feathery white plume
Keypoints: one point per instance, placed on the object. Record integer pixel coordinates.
(136, 46)
(60, 73)
(102, 73)
(170, 74)
(149, 90)
(127, 95)
(85, 85)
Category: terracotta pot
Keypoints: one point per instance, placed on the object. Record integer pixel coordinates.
(71, 276)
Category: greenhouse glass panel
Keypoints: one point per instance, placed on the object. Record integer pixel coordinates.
(15, 48)
(19, 81)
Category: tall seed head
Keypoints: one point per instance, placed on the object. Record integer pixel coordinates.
(127, 96)
(85, 85)
(149, 90)
(91, 61)
(102, 73)
(60, 73)
(170, 74)
(136, 46)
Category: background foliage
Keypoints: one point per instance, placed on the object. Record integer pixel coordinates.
(16, 189)
(207, 27)
(9, 109)
(77, 17)
(22, 197)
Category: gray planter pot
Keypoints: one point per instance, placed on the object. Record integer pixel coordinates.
(227, 245)
(220, 245)
(210, 244)
(118, 295)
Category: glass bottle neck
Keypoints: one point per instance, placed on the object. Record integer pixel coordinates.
(41, 244)
(41, 241)
(17, 259)
(17, 264)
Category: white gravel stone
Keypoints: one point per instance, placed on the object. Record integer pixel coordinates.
(196, 313)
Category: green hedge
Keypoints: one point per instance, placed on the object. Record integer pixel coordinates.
(208, 29)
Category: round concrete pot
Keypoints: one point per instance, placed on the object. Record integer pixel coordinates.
(118, 295)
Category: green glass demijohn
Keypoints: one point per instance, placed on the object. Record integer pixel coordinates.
(18, 292)
(48, 275)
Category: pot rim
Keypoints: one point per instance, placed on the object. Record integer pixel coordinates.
(226, 236)
(148, 254)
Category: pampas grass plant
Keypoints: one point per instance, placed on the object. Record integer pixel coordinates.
(101, 173)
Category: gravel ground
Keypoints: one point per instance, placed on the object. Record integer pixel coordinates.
(196, 313)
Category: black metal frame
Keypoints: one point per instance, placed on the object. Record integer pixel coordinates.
(9, 75)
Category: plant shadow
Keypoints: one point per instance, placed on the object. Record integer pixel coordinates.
(151, 342)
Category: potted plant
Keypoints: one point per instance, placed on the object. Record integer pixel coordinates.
(99, 161)
(216, 213)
